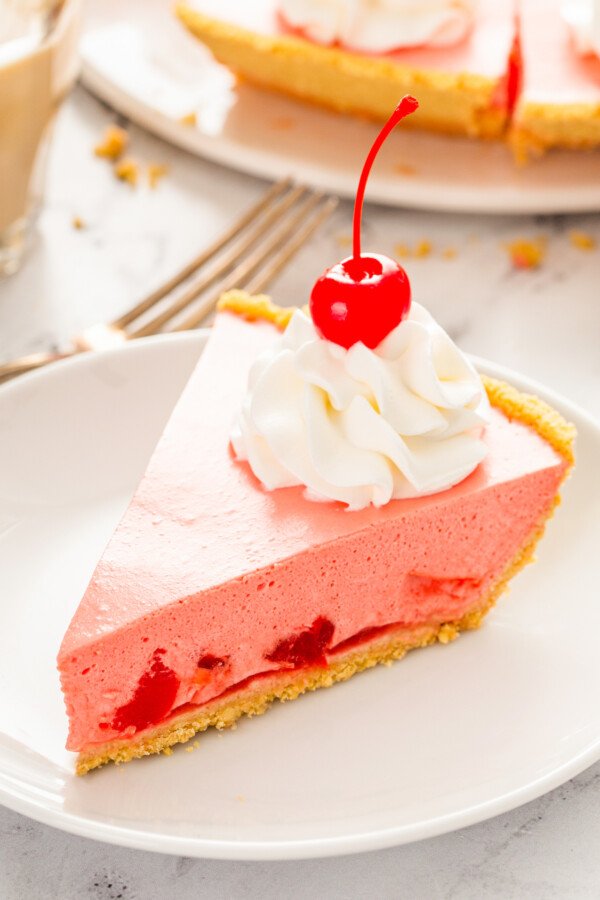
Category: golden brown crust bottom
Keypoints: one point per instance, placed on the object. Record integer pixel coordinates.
(255, 700)
(451, 103)
(538, 127)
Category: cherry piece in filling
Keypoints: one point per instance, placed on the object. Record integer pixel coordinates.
(153, 698)
(307, 648)
(363, 297)
(208, 661)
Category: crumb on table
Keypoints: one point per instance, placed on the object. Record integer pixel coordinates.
(423, 248)
(127, 170)
(420, 250)
(449, 253)
(114, 143)
(582, 240)
(344, 240)
(156, 171)
(527, 253)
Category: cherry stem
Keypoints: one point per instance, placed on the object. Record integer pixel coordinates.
(406, 106)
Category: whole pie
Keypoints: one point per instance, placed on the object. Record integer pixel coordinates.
(512, 70)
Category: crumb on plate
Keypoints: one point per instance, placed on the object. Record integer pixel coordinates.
(113, 144)
(78, 223)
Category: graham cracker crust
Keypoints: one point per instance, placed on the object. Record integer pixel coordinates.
(539, 127)
(224, 711)
(366, 86)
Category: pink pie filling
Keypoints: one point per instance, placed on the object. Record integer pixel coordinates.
(210, 581)
(554, 72)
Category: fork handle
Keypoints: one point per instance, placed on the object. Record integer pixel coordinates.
(28, 363)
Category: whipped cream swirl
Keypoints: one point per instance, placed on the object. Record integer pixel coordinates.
(363, 426)
(381, 26)
(583, 18)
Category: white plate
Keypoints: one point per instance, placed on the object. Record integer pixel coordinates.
(450, 736)
(151, 70)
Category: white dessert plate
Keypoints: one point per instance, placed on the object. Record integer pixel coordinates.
(449, 737)
(147, 67)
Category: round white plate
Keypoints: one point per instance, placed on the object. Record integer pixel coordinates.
(147, 66)
(449, 737)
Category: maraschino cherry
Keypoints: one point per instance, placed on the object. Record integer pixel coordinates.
(363, 297)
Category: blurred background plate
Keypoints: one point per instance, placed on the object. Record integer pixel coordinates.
(149, 69)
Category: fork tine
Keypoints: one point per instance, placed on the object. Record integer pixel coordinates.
(241, 274)
(255, 259)
(266, 276)
(27, 364)
(220, 243)
(224, 264)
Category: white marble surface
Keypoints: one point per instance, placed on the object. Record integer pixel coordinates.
(545, 323)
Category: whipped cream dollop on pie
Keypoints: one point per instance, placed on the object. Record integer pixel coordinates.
(363, 426)
(380, 26)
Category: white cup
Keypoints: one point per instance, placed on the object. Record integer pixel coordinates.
(38, 65)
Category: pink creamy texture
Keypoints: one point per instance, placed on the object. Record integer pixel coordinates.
(484, 52)
(553, 72)
(207, 564)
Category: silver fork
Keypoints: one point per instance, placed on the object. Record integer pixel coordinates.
(248, 255)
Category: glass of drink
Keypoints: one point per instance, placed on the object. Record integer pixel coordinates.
(38, 65)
